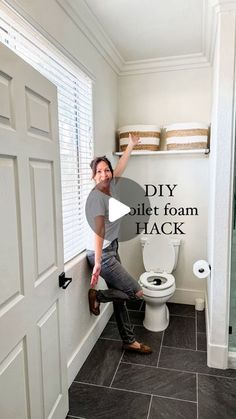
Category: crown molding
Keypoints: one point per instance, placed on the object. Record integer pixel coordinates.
(212, 8)
(84, 19)
(212, 11)
(88, 24)
(210, 27)
(181, 62)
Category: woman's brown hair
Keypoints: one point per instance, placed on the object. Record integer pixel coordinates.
(96, 161)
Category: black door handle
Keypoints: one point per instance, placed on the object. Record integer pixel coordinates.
(63, 281)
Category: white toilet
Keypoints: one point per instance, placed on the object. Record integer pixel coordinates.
(160, 256)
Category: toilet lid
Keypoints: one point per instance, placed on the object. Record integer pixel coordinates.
(158, 254)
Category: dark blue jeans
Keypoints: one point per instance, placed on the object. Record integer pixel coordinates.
(121, 288)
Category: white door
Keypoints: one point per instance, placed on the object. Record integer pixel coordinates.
(33, 375)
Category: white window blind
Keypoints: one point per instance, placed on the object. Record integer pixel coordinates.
(75, 126)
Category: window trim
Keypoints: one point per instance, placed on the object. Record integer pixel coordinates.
(26, 24)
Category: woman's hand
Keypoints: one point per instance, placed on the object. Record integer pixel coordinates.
(122, 163)
(95, 274)
(134, 139)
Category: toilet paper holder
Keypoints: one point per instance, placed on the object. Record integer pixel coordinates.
(201, 270)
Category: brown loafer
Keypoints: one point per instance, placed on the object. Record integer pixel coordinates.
(92, 296)
(143, 349)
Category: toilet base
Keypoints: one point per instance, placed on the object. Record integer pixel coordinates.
(156, 317)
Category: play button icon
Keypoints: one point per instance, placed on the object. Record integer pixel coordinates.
(126, 209)
(117, 209)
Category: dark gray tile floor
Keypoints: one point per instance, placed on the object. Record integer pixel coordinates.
(174, 382)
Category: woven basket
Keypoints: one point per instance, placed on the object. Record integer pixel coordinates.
(149, 137)
(187, 136)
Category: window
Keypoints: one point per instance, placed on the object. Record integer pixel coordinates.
(75, 124)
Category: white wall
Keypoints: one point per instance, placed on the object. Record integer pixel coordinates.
(165, 97)
(82, 328)
(162, 98)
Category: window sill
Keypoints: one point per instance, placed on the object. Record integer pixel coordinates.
(75, 261)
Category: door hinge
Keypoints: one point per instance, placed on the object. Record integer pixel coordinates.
(230, 330)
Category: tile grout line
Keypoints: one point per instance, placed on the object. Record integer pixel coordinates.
(136, 392)
(149, 409)
(134, 324)
(182, 349)
(197, 392)
(139, 311)
(177, 370)
(181, 315)
(141, 305)
(162, 338)
(196, 330)
(217, 376)
(160, 368)
(75, 417)
(133, 310)
(113, 388)
(117, 368)
(115, 340)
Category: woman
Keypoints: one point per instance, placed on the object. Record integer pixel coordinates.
(102, 251)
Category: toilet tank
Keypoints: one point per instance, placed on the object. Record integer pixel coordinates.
(175, 243)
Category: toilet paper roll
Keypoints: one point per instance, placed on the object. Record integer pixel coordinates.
(199, 304)
(201, 269)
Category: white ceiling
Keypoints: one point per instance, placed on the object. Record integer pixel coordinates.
(151, 29)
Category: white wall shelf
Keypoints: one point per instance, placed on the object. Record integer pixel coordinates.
(205, 151)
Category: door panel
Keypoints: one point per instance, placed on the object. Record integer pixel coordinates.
(6, 115)
(43, 198)
(50, 358)
(32, 350)
(11, 279)
(14, 384)
(38, 114)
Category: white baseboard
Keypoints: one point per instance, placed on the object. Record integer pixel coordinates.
(185, 296)
(217, 355)
(232, 360)
(83, 350)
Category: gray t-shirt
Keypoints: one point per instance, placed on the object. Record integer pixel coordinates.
(99, 205)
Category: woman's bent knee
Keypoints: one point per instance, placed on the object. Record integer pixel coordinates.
(139, 293)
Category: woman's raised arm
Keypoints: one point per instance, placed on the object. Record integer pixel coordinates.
(122, 163)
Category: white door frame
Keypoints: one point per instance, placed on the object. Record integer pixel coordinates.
(221, 188)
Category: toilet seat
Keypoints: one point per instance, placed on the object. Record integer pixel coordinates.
(146, 280)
